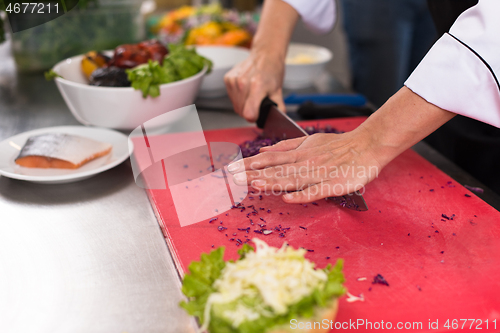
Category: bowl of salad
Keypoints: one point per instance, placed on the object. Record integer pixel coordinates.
(126, 87)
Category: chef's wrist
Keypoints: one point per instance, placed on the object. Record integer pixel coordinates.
(404, 120)
(267, 59)
(374, 144)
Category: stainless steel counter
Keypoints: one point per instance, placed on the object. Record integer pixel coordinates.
(88, 256)
(85, 257)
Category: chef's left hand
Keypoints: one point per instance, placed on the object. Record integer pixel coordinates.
(311, 168)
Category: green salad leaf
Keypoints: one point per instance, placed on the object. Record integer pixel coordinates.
(244, 250)
(148, 77)
(198, 285)
(180, 63)
(51, 75)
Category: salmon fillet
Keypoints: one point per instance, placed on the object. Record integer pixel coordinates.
(62, 151)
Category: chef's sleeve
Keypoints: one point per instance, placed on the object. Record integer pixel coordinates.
(460, 73)
(318, 15)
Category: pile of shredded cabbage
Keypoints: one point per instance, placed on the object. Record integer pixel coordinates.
(280, 277)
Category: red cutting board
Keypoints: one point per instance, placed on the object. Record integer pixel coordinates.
(437, 269)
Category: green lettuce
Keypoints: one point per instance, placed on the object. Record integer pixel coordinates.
(179, 64)
(244, 250)
(51, 75)
(198, 285)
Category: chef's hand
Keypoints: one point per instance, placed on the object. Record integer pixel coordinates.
(258, 76)
(324, 165)
(261, 74)
(313, 167)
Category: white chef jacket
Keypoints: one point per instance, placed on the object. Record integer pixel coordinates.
(460, 73)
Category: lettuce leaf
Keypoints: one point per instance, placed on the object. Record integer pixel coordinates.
(198, 285)
(51, 75)
(179, 64)
(244, 250)
(147, 78)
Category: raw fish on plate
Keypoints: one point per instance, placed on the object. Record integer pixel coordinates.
(61, 151)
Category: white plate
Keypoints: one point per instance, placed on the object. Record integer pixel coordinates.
(9, 150)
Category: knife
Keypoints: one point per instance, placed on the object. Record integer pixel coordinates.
(278, 125)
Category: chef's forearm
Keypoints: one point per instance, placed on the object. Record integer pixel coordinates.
(275, 29)
(405, 119)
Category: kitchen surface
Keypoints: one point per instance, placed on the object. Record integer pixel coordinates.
(91, 256)
(82, 257)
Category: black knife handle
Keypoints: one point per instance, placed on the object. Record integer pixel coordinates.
(265, 106)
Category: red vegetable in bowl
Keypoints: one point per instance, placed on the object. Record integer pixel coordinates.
(132, 55)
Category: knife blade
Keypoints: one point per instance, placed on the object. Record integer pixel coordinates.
(277, 125)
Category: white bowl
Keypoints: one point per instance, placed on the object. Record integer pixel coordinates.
(121, 107)
(303, 75)
(224, 58)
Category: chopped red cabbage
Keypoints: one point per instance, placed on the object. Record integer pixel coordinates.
(474, 189)
(252, 147)
(380, 280)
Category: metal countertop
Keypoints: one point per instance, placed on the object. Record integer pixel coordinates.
(87, 256)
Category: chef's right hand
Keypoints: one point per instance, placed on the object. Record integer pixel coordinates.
(249, 82)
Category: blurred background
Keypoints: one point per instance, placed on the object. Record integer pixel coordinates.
(375, 45)
(105, 24)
